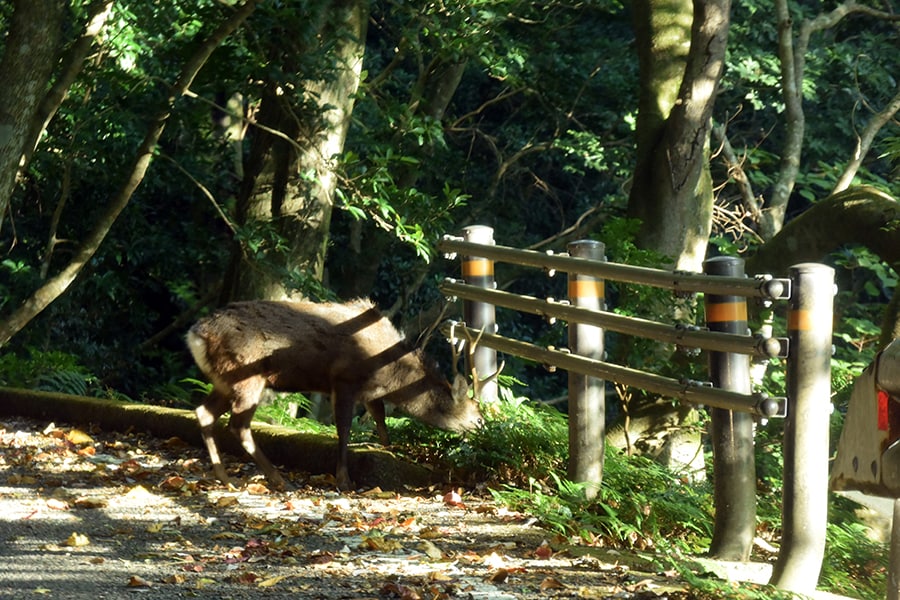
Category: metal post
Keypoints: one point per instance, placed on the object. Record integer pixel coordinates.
(731, 433)
(479, 272)
(805, 504)
(587, 402)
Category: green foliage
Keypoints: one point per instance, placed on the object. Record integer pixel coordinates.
(283, 409)
(50, 371)
(520, 441)
(847, 67)
(854, 565)
(641, 504)
(715, 589)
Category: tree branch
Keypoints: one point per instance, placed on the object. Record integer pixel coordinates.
(58, 284)
(737, 173)
(72, 63)
(861, 215)
(793, 65)
(864, 142)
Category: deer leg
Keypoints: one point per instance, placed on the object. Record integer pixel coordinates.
(376, 409)
(214, 406)
(246, 399)
(342, 407)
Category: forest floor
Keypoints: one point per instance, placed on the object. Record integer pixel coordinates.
(87, 515)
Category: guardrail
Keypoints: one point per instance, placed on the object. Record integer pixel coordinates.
(809, 291)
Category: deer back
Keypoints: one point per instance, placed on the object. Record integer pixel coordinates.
(314, 347)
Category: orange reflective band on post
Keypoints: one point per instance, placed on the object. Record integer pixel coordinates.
(720, 312)
(586, 288)
(800, 320)
(477, 267)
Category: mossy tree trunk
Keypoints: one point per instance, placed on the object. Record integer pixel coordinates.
(287, 194)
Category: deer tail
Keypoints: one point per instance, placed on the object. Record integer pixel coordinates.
(196, 343)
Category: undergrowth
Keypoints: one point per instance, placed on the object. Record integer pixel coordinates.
(643, 506)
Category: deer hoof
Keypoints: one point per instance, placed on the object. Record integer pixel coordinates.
(279, 484)
(343, 481)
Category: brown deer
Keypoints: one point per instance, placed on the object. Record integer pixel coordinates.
(350, 351)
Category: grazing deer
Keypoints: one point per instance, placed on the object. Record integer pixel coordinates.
(350, 351)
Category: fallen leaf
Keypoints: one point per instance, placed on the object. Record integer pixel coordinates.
(174, 483)
(552, 583)
(57, 504)
(137, 581)
(246, 578)
(78, 437)
(271, 581)
(379, 494)
(635, 587)
(499, 576)
(430, 550)
(175, 579)
(439, 577)
(257, 489)
(77, 540)
(544, 551)
(204, 582)
(85, 502)
(226, 501)
(193, 568)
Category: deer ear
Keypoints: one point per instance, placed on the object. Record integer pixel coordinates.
(460, 388)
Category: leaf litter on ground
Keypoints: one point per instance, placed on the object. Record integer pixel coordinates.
(140, 512)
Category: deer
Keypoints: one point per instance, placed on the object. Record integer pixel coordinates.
(347, 350)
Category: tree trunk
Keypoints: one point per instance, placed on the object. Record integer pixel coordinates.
(30, 54)
(681, 49)
(58, 284)
(290, 181)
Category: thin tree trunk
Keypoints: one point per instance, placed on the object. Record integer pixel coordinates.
(792, 55)
(30, 54)
(864, 142)
(58, 284)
